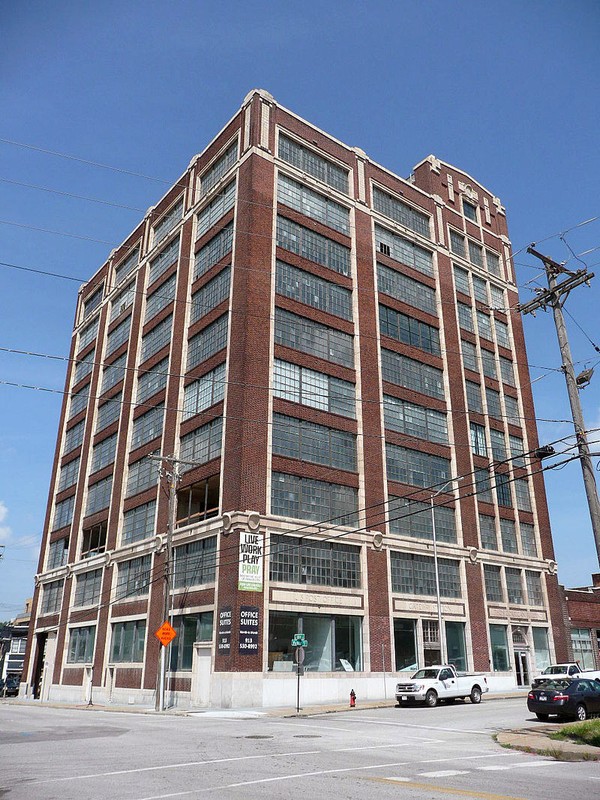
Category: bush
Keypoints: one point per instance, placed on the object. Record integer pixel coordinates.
(581, 732)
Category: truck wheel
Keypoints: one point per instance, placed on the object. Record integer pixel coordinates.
(581, 712)
(431, 699)
(475, 695)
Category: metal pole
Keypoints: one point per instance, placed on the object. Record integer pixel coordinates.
(437, 578)
(587, 467)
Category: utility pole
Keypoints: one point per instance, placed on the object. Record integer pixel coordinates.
(555, 296)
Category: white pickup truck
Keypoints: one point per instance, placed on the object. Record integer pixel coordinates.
(440, 682)
(561, 672)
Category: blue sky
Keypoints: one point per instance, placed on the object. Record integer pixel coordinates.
(506, 91)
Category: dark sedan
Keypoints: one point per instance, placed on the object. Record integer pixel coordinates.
(577, 699)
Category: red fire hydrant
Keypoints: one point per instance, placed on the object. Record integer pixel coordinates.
(352, 698)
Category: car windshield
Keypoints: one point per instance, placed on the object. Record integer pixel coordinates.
(426, 673)
(555, 669)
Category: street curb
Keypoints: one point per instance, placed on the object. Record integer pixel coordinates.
(538, 741)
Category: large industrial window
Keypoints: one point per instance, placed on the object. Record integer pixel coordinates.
(211, 295)
(313, 338)
(218, 169)
(414, 467)
(52, 594)
(161, 297)
(334, 642)
(198, 501)
(81, 645)
(308, 161)
(168, 222)
(315, 389)
(152, 381)
(133, 579)
(313, 246)
(205, 392)
(202, 444)
(99, 496)
(455, 645)
(208, 342)
(156, 339)
(401, 212)
(415, 574)
(138, 523)
(307, 441)
(423, 423)
(316, 292)
(312, 204)
(411, 374)
(303, 498)
(195, 563)
(63, 513)
(493, 583)
(128, 640)
(142, 475)
(401, 287)
(216, 209)
(87, 591)
(213, 251)
(413, 518)
(190, 628)
(541, 648)
(114, 373)
(93, 540)
(409, 330)
(163, 261)
(405, 646)
(499, 642)
(294, 560)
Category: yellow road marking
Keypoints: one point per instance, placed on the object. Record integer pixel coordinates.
(446, 790)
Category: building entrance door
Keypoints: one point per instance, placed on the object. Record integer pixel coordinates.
(522, 667)
(201, 663)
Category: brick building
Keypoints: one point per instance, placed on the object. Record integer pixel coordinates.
(582, 620)
(328, 350)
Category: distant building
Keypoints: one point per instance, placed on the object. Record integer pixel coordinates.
(583, 623)
(324, 346)
(13, 641)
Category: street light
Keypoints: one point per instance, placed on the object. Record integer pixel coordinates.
(437, 571)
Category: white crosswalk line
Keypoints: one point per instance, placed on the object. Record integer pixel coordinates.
(444, 773)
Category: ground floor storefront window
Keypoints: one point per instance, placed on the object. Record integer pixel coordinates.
(581, 639)
(499, 641)
(190, 628)
(408, 655)
(334, 642)
(541, 648)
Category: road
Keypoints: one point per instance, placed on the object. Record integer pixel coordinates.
(404, 754)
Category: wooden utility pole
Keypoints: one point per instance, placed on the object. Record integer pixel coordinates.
(555, 296)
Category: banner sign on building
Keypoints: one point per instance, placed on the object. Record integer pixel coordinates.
(250, 577)
(224, 631)
(249, 620)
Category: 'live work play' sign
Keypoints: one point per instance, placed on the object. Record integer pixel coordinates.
(250, 577)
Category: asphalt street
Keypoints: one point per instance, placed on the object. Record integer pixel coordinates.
(417, 753)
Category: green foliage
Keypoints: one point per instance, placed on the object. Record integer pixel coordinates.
(581, 732)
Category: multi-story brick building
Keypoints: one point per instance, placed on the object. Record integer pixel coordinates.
(582, 620)
(329, 350)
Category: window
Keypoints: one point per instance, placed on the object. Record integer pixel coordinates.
(482, 485)
(190, 628)
(522, 495)
(98, 496)
(118, 336)
(409, 330)
(205, 392)
(461, 280)
(88, 334)
(87, 591)
(313, 338)
(81, 645)
(401, 212)
(465, 317)
(583, 649)
(457, 243)
(484, 325)
(541, 648)
(478, 443)
(312, 204)
(493, 264)
(308, 161)
(474, 397)
(18, 646)
(133, 578)
(94, 540)
(315, 389)
(148, 426)
(195, 563)
(109, 412)
(502, 334)
(512, 409)
(469, 355)
(168, 222)
(208, 342)
(58, 553)
(83, 367)
(103, 453)
(487, 531)
(533, 580)
(213, 251)
(514, 587)
(415, 574)
(293, 560)
(476, 254)
(92, 302)
(74, 437)
(516, 450)
(198, 501)
(152, 381)
(114, 373)
(122, 301)
(493, 403)
(63, 513)
(161, 297)
(499, 643)
(68, 474)
(126, 266)
(307, 288)
(503, 495)
(498, 445)
(303, 498)
(79, 401)
(156, 339)
(480, 290)
(142, 475)
(488, 364)
(52, 597)
(413, 518)
(507, 371)
(138, 523)
(203, 444)
(219, 168)
(312, 246)
(307, 441)
(509, 536)
(396, 284)
(493, 583)
(405, 650)
(414, 420)
(163, 261)
(528, 543)
(216, 209)
(469, 210)
(404, 251)
(211, 295)
(337, 641)
(411, 374)
(414, 467)
(128, 641)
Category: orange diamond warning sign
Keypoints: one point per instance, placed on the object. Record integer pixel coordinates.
(165, 634)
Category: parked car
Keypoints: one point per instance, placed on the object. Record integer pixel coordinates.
(557, 672)
(440, 682)
(9, 687)
(575, 699)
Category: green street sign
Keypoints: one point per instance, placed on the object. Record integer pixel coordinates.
(299, 640)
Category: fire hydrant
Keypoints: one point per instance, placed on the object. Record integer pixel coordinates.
(352, 698)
